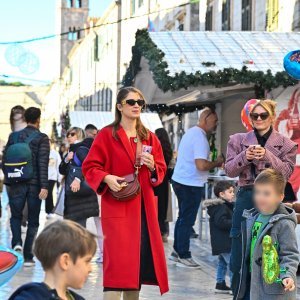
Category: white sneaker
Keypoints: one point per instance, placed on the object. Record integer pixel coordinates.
(18, 248)
(29, 263)
(50, 216)
(188, 263)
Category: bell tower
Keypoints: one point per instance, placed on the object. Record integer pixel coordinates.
(71, 16)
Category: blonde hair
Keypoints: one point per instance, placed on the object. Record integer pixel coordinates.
(142, 131)
(270, 176)
(268, 105)
(79, 132)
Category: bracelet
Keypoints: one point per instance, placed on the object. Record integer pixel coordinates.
(152, 171)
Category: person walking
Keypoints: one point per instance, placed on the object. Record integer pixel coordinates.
(248, 154)
(27, 179)
(163, 190)
(188, 180)
(91, 132)
(81, 201)
(17, 123)
(54, 177)
(133, 248)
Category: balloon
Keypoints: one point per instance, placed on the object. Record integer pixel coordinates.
(270, 261)
(10, 263)
(291, 64)
(245, 113)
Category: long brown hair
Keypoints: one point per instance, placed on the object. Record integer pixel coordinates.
(142, 131)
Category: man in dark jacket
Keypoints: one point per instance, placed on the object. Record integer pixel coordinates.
(220, 211)
(32, 191)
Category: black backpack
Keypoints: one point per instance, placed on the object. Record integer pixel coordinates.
(17, 160)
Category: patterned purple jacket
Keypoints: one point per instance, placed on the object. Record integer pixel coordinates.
(280, 155)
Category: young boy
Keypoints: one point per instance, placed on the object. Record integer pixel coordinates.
(270, 217)
(65, 250)
(220, 211)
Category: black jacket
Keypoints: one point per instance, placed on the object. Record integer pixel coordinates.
(220, 222)
(77, 208)
(40, 155)
(38, 291)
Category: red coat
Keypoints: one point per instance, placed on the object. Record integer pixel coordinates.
(121, 221)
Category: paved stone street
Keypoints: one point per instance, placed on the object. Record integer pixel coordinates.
(184, 284)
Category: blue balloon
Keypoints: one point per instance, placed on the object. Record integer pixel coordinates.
(13, 263)
(292, 67)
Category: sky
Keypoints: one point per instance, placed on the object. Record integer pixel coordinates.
(20, 20)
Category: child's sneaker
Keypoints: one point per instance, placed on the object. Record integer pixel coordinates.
(222, 288)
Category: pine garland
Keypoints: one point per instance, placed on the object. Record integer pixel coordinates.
(145, 47)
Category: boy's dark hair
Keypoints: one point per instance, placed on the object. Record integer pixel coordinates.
(32, 114)
(222, 186)
(63, 237)
(270, 176)
(90, 127)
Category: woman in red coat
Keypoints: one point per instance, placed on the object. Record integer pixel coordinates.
(133, 248)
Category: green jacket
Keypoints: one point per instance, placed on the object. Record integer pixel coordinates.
(281, 228)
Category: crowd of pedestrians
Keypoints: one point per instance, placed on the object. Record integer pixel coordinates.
(121, 176)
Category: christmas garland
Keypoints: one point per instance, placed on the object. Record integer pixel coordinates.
(145, 47)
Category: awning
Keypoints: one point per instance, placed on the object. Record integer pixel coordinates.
(102, 118)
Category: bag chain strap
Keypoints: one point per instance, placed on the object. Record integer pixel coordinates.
(137, 164)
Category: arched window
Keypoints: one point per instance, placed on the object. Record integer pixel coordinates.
(78, 3)
(69, 3)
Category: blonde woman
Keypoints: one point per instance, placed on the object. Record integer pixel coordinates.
(248, 154)
(79, 205)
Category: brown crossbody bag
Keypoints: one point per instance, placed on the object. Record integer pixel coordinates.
(131, 186)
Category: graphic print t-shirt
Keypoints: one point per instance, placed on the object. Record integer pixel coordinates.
(259, 225)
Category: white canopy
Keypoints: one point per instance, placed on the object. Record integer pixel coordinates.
(102, 118)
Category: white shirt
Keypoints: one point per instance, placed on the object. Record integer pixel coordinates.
(54, 162)
(194, 145)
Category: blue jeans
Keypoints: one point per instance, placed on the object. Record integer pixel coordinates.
(223, 264)
(243, 201)
(189, 198)
(18, 195)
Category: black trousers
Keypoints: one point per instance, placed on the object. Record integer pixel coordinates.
(243, 201)
(49, 199)
(162, 193)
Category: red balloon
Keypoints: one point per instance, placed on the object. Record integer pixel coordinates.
(245, 113)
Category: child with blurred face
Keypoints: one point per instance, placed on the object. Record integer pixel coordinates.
(65, 250)
(269, 217)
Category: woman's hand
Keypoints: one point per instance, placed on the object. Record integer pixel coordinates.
(75, 186)
(69, 156)
(113, 182)
(250, 154)
(259, 152)
(147, 160)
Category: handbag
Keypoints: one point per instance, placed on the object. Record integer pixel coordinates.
(60, 204)
(131, 186)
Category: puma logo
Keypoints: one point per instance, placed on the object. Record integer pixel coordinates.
(17, 173)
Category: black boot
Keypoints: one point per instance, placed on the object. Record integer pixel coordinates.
(222, 288)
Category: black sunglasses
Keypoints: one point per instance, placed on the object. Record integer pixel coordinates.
(132, 102)
(263, 116)
(71, 134)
